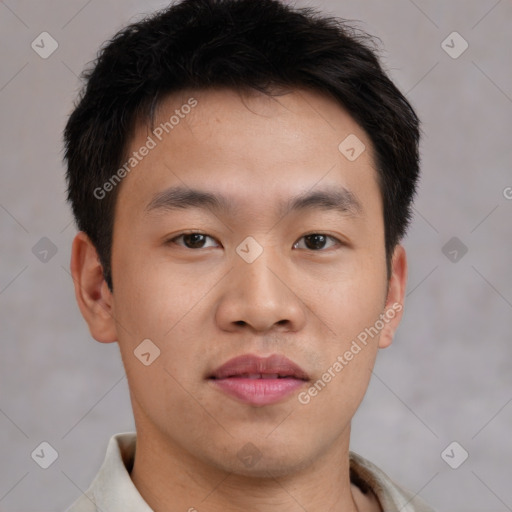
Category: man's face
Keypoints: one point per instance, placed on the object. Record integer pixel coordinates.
(253, 281)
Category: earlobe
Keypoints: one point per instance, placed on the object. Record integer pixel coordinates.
(396, 296)
(91, 291)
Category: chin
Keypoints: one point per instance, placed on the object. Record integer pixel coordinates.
(250, 462)
(275, 468)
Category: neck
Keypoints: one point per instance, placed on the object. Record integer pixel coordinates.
(165, 474)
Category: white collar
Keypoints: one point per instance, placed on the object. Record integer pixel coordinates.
(112, 490)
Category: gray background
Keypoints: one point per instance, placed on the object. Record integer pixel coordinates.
(446, 377)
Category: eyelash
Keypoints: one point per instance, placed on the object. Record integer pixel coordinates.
(173, 240)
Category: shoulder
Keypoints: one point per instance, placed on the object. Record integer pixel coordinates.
(390, 495)
(83, 504)
(112, 484)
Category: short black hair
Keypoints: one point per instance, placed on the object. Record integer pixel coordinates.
(261, 45)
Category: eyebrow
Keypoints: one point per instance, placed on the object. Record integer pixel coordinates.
(338, 199)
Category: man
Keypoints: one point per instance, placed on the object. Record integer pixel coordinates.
(241, 174)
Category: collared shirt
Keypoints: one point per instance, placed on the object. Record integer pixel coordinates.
(112, 490)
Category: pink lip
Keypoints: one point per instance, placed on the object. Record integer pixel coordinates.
(259, 380)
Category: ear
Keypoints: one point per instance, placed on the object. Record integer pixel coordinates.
(91, 291)
(396, 296)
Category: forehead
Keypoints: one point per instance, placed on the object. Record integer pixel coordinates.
(247, 144)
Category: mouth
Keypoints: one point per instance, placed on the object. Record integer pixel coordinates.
(257, 380)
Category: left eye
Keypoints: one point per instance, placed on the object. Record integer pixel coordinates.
(193, 240)
(313, 241)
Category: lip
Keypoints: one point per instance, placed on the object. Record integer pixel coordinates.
(258, 380)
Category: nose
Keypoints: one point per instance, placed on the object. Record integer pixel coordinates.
(260, 296)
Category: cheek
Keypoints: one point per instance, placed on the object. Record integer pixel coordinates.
(350, 301)
(150, 296)
(348, 358)
(337, 393)
(352, 309)
(162, 304)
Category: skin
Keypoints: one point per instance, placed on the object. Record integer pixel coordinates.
(202, 306)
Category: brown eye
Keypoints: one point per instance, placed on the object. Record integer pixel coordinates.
(316, 241)
(192, 240)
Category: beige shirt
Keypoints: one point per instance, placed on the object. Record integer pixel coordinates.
(112, 490)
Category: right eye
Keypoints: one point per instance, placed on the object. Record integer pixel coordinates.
(191, 240)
